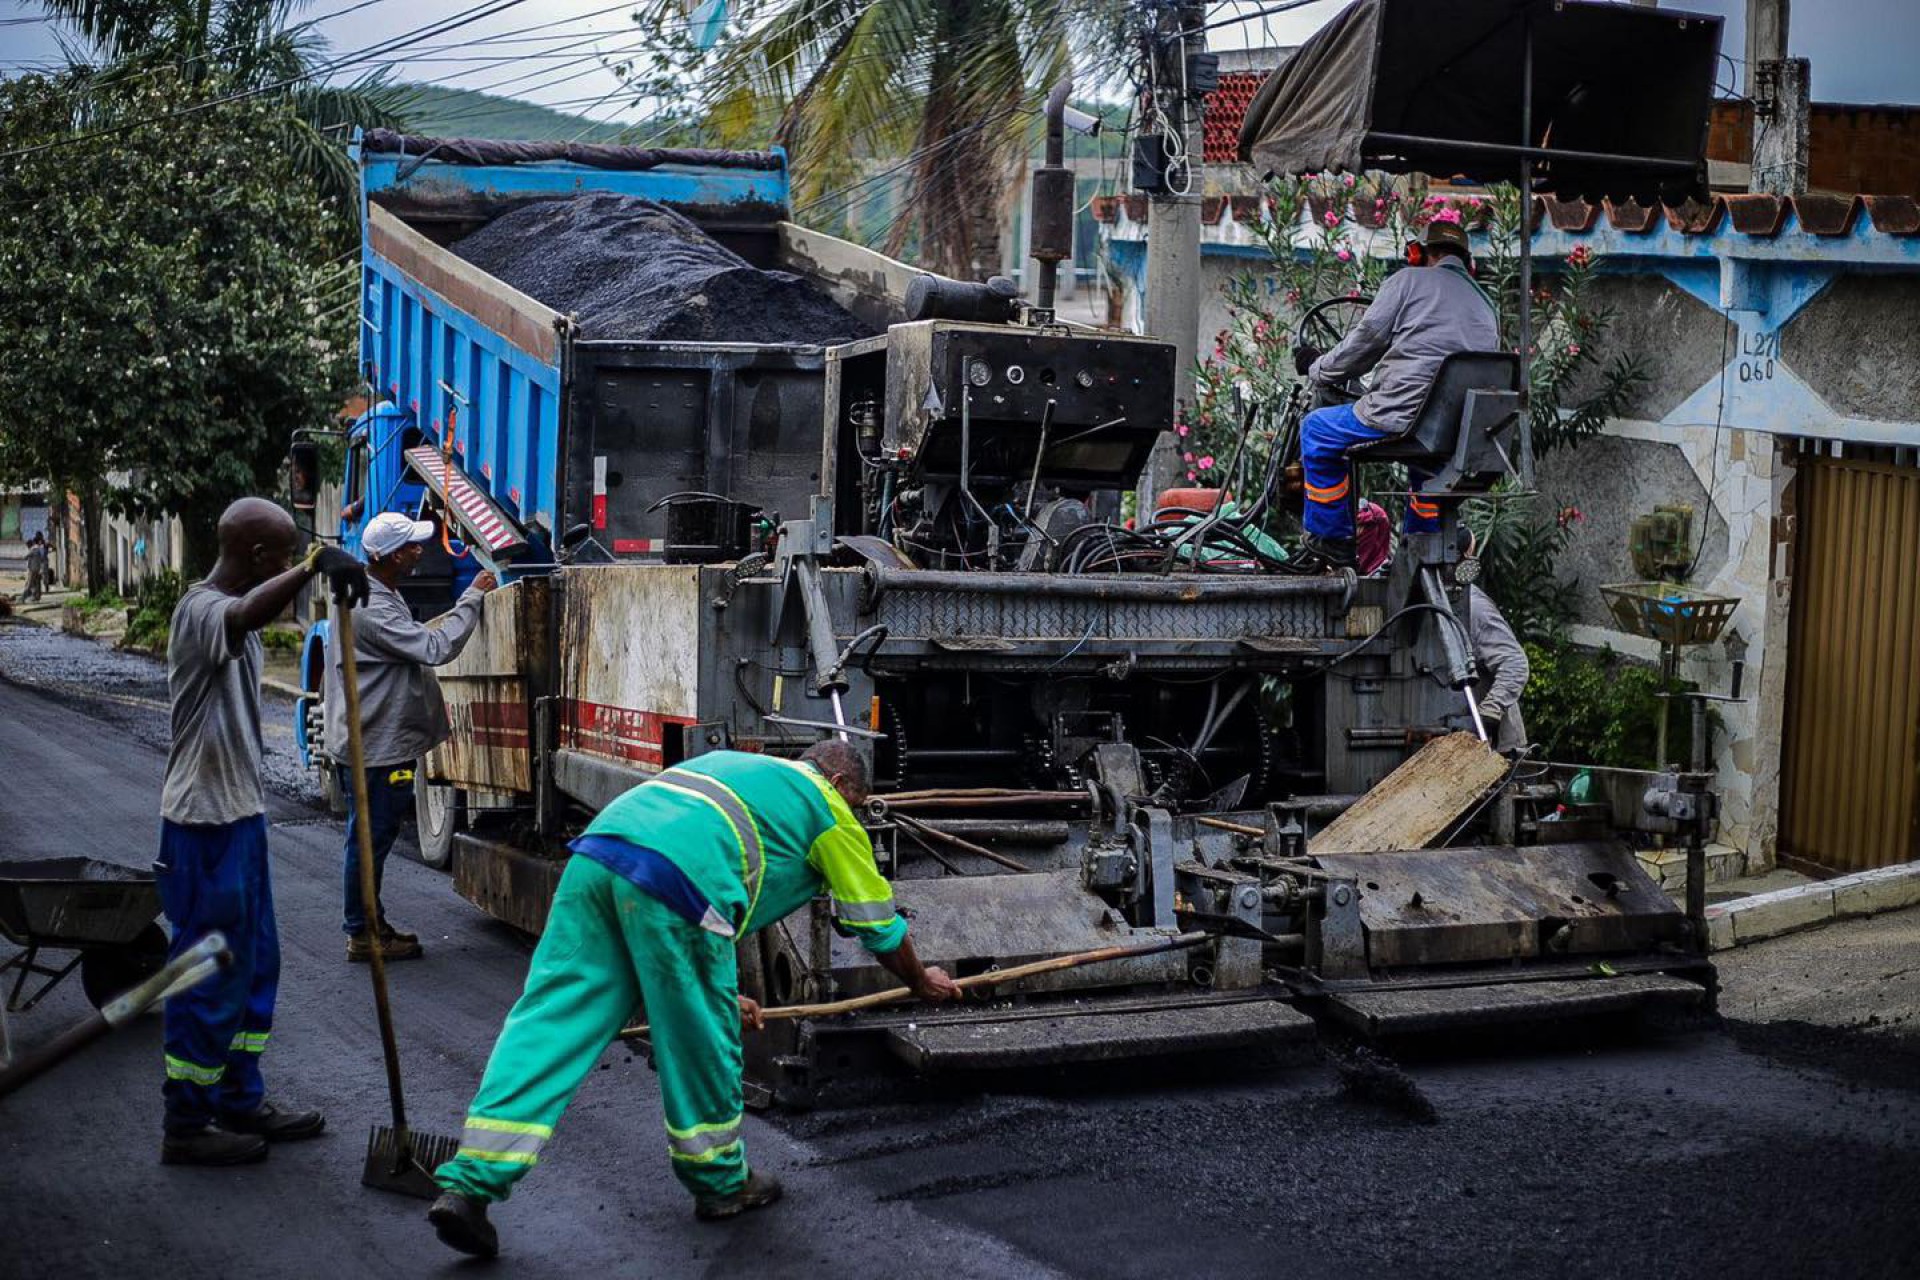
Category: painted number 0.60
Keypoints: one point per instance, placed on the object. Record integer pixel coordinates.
(1756, 370)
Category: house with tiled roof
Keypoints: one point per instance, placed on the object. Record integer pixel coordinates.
(1781, 407)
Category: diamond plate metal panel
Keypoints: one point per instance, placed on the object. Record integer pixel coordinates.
(912, 614)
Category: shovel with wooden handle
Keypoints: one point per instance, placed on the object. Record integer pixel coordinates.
(1054, 964)
(398, 1158)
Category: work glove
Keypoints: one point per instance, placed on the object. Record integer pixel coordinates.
(346, 577)
(1303, 358)
(1490, 713)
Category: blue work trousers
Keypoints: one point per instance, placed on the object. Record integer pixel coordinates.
(214, 877)
(1325, 436)
(389, 801)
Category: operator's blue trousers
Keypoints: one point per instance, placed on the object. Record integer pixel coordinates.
(389, 801)
(1325, 436)
(215, 878)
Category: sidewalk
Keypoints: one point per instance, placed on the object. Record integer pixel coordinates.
(280, 672)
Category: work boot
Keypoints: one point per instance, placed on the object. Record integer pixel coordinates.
(1320, 555)
(759, 1191)
(213, 1147)
(461, 1223)
(270, 1122)
(394, 937)
(399, 947)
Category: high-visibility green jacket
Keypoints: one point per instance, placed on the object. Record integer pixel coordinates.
(759, 837)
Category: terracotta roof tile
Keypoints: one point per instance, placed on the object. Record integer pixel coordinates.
(1756, 215)
(1571, 215)
(1631, 216)
(1893, 215)
(1751, 215)
(1695, 217)
(1826, 215)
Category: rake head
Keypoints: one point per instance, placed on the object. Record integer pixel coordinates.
(403, 1161)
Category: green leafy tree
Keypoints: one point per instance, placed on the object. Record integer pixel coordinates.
(241, 45)
(171, 297)
(939, 96)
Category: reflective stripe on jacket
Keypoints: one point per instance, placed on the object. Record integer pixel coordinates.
(759, 837)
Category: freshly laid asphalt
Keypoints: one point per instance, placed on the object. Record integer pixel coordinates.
(1785, 1143)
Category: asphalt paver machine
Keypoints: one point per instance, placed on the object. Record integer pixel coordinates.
(1087, 730)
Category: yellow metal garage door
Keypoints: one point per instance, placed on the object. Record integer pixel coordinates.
(1850, 773)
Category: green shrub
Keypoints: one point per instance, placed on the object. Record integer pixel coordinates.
(1519, 550)
(1599, 708)
(151, 624)
(105, 600)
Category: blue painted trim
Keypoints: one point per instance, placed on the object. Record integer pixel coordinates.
(670, 184)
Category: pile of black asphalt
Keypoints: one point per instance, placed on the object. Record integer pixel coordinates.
(631, 269)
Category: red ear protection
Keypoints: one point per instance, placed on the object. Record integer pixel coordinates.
(1416, 254)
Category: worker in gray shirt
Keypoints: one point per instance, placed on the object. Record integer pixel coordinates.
(1502, 661)
(1503, 672)
(212, 868)
(401, 714)
(1430, 310)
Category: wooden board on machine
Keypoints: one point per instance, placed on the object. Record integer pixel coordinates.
(1412, 806)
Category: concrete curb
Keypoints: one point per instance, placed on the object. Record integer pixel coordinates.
(1768, 915)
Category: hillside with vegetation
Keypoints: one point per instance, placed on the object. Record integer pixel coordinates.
(444, 112)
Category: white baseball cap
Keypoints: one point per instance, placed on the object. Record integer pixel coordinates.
(389, 531)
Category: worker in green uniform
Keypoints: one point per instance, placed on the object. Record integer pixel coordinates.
(662, 885)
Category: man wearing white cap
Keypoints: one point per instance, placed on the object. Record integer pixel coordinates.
(401, 715)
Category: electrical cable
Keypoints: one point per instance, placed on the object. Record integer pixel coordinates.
(486, 9)
(1713, 441)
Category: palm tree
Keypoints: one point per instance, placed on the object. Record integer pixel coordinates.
(240, 45)
(939, 96)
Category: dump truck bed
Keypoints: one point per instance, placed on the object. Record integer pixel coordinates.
(502, 384)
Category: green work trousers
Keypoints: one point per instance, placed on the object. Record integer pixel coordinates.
(608, 946)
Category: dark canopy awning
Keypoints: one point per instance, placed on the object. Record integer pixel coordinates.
(1436, 86)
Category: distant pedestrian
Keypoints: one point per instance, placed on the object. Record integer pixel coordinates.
(36, 566)
(212, 868)
(401, 715)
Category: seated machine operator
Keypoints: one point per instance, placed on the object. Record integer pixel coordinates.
(1421, 316)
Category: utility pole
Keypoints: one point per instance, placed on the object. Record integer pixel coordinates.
(1778, 87)
(1169, 159)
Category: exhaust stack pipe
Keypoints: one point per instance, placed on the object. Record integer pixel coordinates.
(1051, 239)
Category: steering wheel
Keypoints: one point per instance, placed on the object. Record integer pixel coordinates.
(1322, 327)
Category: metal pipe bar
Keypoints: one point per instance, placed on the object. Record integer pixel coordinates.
(1013, 830)
(1526, 283)
(1503, 150)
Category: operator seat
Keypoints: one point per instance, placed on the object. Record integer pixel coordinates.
(1473, 401)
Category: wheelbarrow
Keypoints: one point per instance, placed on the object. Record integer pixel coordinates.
(101, 910)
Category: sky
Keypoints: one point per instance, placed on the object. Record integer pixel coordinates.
(1861, 50)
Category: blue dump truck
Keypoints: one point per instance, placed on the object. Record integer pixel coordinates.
(748, 486)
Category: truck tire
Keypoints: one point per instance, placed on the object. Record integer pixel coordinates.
(439, 812)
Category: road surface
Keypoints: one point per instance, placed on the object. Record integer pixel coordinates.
(1787, 1145)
